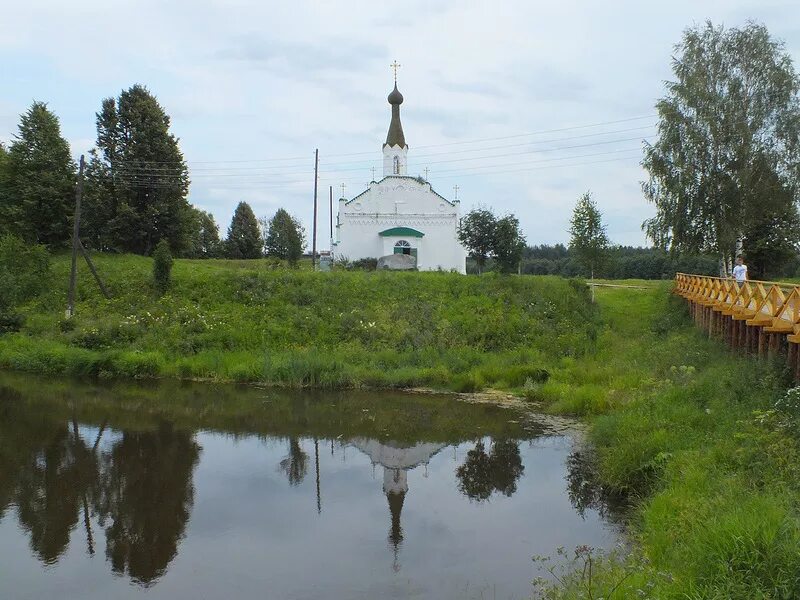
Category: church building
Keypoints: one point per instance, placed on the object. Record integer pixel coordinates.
(400, 214)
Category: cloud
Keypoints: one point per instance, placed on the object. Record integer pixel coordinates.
(246, 80)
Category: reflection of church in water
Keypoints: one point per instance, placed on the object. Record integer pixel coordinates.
(396, 461)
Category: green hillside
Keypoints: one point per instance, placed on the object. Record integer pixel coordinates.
(250, 321)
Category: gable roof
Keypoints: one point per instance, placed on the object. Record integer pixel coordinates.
(419, 180)
(401, 232)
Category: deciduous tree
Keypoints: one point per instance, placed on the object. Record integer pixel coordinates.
(588, 239)
(476, 232)
(509, 243)
(203, 235)
(728, 130)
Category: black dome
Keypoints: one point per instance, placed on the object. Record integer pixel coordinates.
(395, 97)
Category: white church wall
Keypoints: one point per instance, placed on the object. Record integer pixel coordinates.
(401, 202)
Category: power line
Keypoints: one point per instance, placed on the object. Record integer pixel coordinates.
(179, 168)
(465, 159)
(440, 145)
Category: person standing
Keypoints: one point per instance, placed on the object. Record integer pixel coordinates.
(740, 271)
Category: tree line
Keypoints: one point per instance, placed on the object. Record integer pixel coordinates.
(136, 187)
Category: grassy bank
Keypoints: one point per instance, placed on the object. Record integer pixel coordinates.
(244, 321)
(706, 445)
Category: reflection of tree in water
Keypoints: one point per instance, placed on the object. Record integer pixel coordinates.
(57, 480)
(295, 465)
(496, 471)
(585, 490)
(147, 495)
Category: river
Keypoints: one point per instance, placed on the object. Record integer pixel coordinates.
(185, 490)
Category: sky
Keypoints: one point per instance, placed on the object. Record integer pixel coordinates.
(524, 105)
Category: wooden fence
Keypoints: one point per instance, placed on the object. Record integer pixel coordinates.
(759, 317)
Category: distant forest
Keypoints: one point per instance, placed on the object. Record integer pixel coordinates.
(628, 262)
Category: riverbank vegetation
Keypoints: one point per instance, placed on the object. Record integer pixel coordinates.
(703, 443)
(243, 321)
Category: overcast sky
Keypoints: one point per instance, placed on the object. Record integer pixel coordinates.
(262, 81)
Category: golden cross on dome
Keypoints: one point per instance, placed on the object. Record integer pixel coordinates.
(395, 65)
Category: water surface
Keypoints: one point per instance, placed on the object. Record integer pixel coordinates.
(171, 490)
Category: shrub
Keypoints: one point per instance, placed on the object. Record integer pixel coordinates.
(363, 264)
(162, 266)
(10, 321)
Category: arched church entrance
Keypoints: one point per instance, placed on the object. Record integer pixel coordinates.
(403, 247)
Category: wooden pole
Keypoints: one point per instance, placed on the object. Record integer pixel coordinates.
(314, 234)
(94, 271)
(76, 227)
(331, 214)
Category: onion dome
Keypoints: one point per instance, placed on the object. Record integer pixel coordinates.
(395, 136)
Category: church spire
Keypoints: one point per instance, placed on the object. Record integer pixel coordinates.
(395, 149)
(395, 136)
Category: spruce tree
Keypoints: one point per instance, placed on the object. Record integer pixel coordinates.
(38, 205)
(285, 237)
(244, 238)
(5, 188)
(137, 180)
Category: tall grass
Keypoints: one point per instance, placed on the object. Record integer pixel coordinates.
(692, 434)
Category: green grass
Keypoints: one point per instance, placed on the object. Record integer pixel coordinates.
(248, 321)
(691, 434)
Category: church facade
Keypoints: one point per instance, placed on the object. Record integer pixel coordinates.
(400, 214)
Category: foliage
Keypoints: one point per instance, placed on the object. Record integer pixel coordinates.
(137, 179)
(203, 235)
(485, 236)
(39, 176)
(239, 321)
(476, 233)
(284, 237)
(509, 243)
(24, 271)
(162, 266)
(729, 128)
(588, 239)
(244, 237)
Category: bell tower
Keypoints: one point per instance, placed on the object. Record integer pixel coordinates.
(395, 149)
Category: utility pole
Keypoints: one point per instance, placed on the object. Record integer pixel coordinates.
(314, 234)
(75, 242)
(331, 215)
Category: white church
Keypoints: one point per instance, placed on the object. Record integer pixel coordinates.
(400, 214)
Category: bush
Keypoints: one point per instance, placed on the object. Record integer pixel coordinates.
(162, 266)
(10, 322)
(364, 264)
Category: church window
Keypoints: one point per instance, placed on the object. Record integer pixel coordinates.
(397, 165)
(403, 247)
